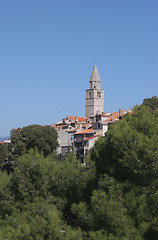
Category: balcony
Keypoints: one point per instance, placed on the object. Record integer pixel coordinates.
(78, 139)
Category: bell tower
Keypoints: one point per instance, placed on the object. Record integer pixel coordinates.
(94, 96)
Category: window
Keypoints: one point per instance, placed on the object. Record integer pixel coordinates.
(90, 94)
(99, 94)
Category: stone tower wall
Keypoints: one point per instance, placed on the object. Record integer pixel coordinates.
(94, 102)
(94, 96)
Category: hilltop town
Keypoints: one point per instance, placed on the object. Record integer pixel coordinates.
(90, 192)
(80, 133)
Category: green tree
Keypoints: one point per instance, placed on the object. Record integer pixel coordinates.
(4, 154)
(114, 196)
(32, 194)
(38, 220)
(129, 155)
(130, 149)
(107, 214)
(70, 182)
(151, 102)
(44, 138)
(6, 200)
(30, 178)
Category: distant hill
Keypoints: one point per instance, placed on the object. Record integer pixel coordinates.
(4, 138)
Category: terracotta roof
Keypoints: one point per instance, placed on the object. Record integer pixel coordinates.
(106, 115)
(85, 131)
(86, 125)
(79, 119)
(124, 112)
(55, 126)
(82, 119)
(114, 116)
(59, 126)
(71, 118)
(131, 112)
(74, 129)
(89, 138)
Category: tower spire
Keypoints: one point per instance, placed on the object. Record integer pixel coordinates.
(94, 95)
(94, 81)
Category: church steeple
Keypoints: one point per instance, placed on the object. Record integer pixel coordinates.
(94, 96)
(94, 81)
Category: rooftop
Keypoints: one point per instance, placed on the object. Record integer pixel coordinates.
(95, 75)
(89, 138)
(85, 131)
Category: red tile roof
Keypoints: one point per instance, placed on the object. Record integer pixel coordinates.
(131, 112)
(79, 119)
(85, 131)
(106, 115)
(74, 129)
(89, 138)
(86, 125)
(114, 116)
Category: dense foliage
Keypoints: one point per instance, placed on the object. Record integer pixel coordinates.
(3, 154)
(113, 197)
(44, 138)
(151, 102)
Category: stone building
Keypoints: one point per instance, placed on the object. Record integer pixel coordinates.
(94, 96)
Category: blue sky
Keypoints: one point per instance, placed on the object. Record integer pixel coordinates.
(48, 49)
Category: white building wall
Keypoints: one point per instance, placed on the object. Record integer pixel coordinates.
(64, 139)
(105, 129)
(91, 142)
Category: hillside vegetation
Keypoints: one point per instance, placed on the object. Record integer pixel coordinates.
(113, 197)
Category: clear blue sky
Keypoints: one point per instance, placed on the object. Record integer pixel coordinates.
(48, 49)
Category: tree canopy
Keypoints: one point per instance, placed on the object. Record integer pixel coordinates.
(44, 138)
(113, 196)
(130, 149)
(151, 102)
